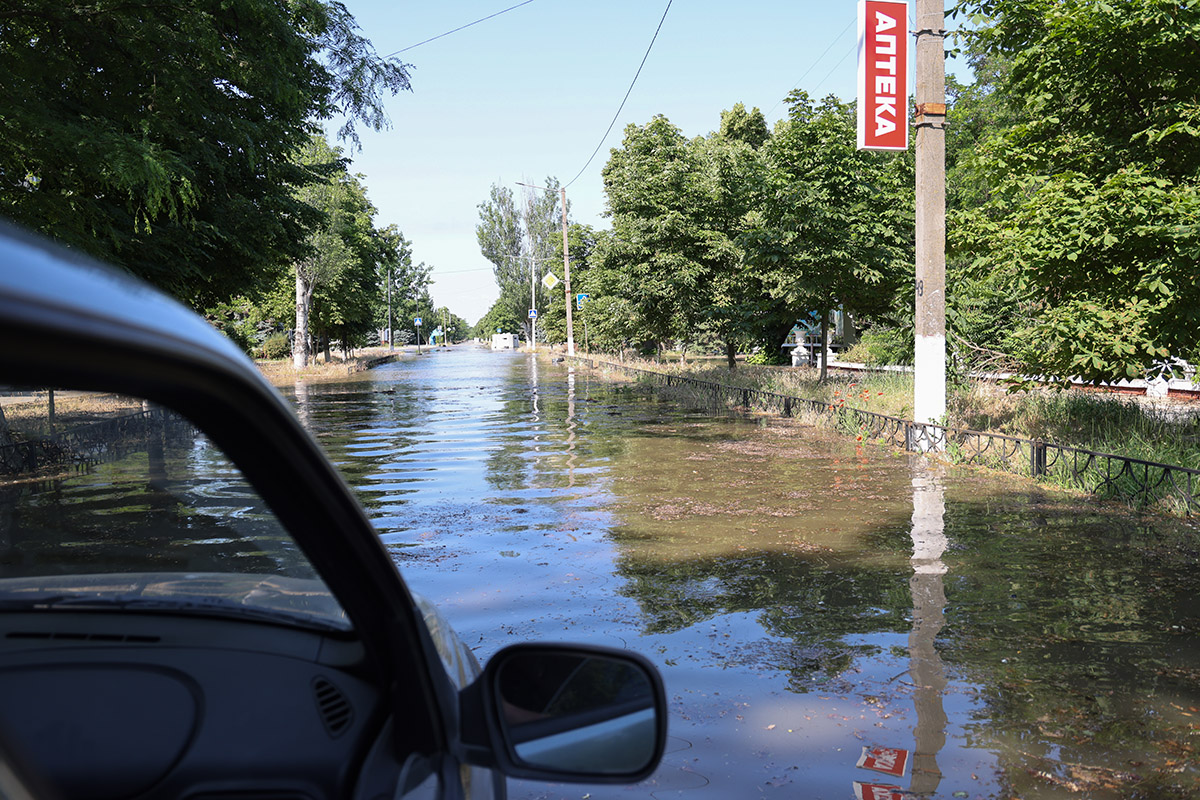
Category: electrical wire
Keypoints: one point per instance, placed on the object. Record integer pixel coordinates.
(835, 66)
(627, 93)
(460, 28)
(461, 271)
(834, 41)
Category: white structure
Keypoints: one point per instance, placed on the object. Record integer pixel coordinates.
(504, 341)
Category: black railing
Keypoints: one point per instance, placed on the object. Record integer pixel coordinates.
(94, 442)
(1109, 476)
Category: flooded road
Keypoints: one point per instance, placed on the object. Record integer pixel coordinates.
(804, 597)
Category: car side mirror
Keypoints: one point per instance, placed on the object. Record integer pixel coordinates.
(566, 713)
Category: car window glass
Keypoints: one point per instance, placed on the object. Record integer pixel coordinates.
(108, 499)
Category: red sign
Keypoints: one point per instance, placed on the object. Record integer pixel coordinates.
(882, 75)
(877, 791)
(889, 760)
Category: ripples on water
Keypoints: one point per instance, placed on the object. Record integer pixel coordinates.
(803, 598)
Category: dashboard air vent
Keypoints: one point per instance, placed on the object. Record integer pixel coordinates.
(333, 706)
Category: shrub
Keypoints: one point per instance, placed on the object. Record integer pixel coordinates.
(276, 346)
(882, 347)
(766, 357)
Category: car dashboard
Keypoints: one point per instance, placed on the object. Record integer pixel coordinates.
(107, 705)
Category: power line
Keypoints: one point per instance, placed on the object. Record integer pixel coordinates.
(460, 271)
(834, 41)
(460, 28)
(835, 66)
(627, 93)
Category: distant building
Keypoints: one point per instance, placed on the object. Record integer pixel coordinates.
(504, 341)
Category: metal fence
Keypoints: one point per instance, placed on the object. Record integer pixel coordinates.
(94, 443)
(1143, 484)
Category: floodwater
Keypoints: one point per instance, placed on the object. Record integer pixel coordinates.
(804, 597)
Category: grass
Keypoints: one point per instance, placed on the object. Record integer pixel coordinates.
(1168, 434)
(281, 372)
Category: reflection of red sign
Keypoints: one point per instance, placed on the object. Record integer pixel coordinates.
(877, 791)
(884, 759)
(882, 75)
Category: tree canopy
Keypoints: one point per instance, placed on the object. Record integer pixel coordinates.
(523, 242)
(1092, 215)
(160, 136)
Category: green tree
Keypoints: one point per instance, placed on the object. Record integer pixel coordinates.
(1094, 207)
(581, 241)
(664, 254)
(498, 319)
(740, 125)
(835, 225)
(329, 193)
(501, 241)
(522, 243)
(159, 136)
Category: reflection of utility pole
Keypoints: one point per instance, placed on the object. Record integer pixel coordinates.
(929, 607)
(572, 459)
(929, 392)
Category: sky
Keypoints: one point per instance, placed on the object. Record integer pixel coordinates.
(530, 93)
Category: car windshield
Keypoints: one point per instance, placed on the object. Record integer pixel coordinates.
(107, 501)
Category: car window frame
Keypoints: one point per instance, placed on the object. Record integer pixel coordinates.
(62, 338)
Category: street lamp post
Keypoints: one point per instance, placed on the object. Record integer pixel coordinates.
(391, 339)
(566, 264)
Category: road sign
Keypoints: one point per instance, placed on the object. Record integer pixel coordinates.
(418, 321)
(533, 313)
(580, 300)
(550, 281)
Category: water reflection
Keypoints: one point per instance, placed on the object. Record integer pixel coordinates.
(803, 600)
(929, 605)
(572, 426)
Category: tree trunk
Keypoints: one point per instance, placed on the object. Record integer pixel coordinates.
(824, 346)
(730, 354)
(300, 339)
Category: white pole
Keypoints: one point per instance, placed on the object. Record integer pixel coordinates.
(929, 389)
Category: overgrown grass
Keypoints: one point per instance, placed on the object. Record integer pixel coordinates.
(281, 372)
(887, 393)
(1168, 434)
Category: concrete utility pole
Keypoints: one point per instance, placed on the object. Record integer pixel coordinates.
(929, 391)
(389, 319)
(566, 264)
(567, 276)
(532, 303)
